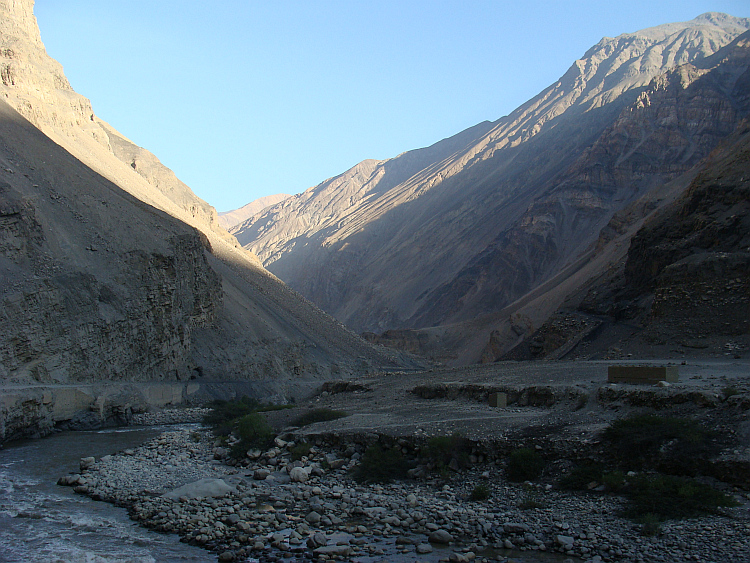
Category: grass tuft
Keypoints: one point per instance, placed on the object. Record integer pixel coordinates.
(445, 451)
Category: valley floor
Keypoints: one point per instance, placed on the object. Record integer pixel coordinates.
(270, 507)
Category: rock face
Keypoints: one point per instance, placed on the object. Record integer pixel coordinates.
(111, 270)
(470, 225)
(686, 279)
(683, 287)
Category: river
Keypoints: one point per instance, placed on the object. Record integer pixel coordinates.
(42, 521)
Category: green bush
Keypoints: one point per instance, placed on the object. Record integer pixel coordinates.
(442, 450)
(318, 415)
(614, 480)
(668, 497)
(524, 464)
(582, 476)
(381, 466)
(223, 414)
(480, 492)
(531, 502)
(651, 441)
(253, 431)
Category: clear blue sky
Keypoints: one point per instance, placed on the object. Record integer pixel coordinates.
(244, 99)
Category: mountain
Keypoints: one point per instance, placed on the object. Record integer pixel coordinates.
(113, 272)
(683, 286)
(444, 240)
(229, 219)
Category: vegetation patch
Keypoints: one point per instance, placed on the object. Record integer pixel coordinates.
(223, 414)
(318, 415)
(531, 502)
(592, 476)
(659, 442)
(480, 492)
(448, 451)
(665, 497)
(524, 464)
(583, 477)
(253, 431)
(650, 525)
(381, 466)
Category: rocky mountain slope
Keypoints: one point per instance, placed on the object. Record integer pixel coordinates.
(229, 219)
(448, 235)
(111, 270)
(682, 288)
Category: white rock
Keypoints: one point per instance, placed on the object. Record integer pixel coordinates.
(201, 488)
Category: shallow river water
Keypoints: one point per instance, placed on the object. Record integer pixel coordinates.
(41, 521)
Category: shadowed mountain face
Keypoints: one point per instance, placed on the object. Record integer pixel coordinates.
(440, 236)
(683, 286)
(111, 269)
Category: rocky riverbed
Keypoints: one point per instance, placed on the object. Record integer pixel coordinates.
(276, 508)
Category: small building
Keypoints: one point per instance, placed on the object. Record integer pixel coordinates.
(644, 375)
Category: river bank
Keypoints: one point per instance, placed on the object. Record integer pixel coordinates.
(311, 509)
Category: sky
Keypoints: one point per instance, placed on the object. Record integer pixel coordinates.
(243, 99)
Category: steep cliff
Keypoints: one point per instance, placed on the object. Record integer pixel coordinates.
(88, 291)
(113, 282)
(463, 228)
(34, 85)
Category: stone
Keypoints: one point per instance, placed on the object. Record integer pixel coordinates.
(318, 539)
(440, 536)
(424, 548)
(231, 519)
(299, 475)
(261, 474)
(201, 488)
(515, 528)
(313, 518)
(333, 550)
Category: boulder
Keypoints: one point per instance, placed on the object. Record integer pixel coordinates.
(441, 537)
(201, 488)
(299, 475)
